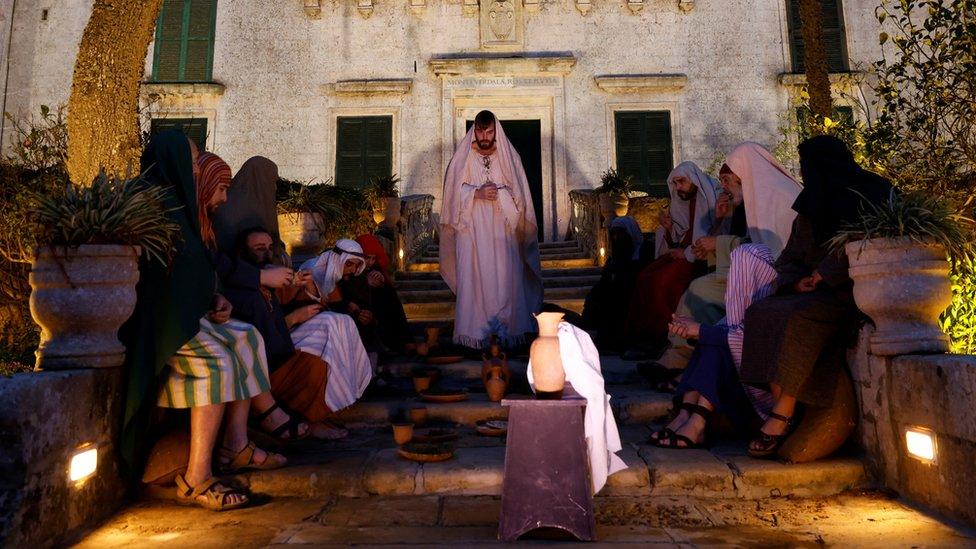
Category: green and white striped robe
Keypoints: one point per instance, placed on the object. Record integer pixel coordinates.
(222, 363)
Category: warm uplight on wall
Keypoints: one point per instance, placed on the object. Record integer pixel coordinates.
(603, 253)
(83, 463)
(401, 253)
(921, 444)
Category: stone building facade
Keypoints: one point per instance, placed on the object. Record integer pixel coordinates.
(345, 89)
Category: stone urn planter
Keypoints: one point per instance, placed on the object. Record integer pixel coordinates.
(81, 297)
(301, 232)
(904, 287)
(392, 210)
(620, 203)
(546, 362)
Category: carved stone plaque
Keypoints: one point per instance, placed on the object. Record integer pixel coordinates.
(501, 24)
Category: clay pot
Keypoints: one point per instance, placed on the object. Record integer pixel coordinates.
(620, 203)
(421, 383)
(301, 232)
(547, 364)
(379, 214)
(402, 432)
(496, 383)
(417, 415)
(393, 205)
(903, 286)
(605, 200)
(81, 297)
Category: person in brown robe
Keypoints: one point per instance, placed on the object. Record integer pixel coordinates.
(794, 341)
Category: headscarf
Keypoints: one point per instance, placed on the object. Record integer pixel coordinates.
(250, 203)
(630, 225)
(372, 246)
(213, 172)
(171, 300)
(526, 230)
(704, 209)
(835, 187)
(327, 268)
(768, 192)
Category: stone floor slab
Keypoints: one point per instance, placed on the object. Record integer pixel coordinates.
(634, 480)
(757, 478)
(334, 475)
(388, 511)
(687, 472)
(470, 510)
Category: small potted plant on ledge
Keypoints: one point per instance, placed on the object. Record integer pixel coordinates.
(384, 198)
(613, 194)
(303, 209)
(898, 260)
(87, 241)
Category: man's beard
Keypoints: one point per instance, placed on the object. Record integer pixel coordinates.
(261, 259)
(687, 195)
(485, 144)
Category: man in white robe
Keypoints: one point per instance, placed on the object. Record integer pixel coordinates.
(489, 250)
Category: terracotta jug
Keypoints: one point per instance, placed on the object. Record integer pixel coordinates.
(547, 364)
(496, 382)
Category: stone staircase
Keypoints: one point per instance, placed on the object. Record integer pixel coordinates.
(568, 274)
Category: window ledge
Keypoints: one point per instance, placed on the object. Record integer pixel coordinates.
(796, 79)
(641, 83)
(371, 87)
(183, 89)
(473, 64)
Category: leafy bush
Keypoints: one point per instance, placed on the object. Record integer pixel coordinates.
(612, 182)
(381, 188)
(345, 212)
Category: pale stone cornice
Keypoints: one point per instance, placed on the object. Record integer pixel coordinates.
(794, 79)
(395, 86)
(640, 83)
(555, 63)
(183, 90)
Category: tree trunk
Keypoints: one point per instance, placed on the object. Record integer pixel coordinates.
(103, 110)
(815, 58)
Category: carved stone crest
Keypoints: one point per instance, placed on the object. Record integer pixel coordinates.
(501, 24)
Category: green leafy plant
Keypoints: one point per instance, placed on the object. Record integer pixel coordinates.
(344, 212)
(381, 188)
(613, 182)
(917, 216)
(109, 211)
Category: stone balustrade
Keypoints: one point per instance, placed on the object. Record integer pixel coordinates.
(416, 229)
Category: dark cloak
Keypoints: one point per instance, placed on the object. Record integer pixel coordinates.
(250, 203)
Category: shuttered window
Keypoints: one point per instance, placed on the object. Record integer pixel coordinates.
(833, 28)
(644, 149)
(184, 41)
(194, 128)
(364, 149)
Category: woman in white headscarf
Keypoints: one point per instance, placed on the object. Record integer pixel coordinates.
(489, 251)
(659, 287)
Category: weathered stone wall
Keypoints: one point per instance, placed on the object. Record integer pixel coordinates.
(936, 392)
(44, 418)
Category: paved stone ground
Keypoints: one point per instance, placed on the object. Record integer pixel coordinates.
(861, 519)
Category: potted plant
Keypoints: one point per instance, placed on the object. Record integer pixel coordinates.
(898, 260)
(613, 194)
(302, 213)
(384, 198)
(87, 241)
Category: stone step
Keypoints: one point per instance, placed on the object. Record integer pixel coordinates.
(549, 282)
(434, 266)
(616, 371)
(544, 256)
(443, 295)
(586, 271)
(543, 246)
(367, 464)
(444, 310)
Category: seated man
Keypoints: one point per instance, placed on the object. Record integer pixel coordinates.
(296, 328)
(375, 287)
(659, 286)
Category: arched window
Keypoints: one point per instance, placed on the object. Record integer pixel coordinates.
(184, 41)
(834, 38)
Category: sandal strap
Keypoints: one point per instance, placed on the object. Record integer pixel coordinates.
(784, 419)
(291, 426)
(672, 440)
(264, 415)
(243, 458)
(693, 409)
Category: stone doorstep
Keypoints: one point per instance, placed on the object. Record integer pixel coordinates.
(574, 281)
(544, 256)
(479, 471)
(445, 309)
(615, 371)
(432, 267)
(445, 295)
(562, 245)
(590, 270)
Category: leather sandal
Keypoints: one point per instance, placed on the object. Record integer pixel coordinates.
(236, 462)
(671, 441)
(770, 444)
(216, 494)
(290, 426)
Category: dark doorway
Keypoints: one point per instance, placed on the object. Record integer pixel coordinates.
(526, 137)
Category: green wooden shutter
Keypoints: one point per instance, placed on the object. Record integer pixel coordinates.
(194, 128)
(185, 41)
(834, 38)
(644, 148)
(364, 149)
